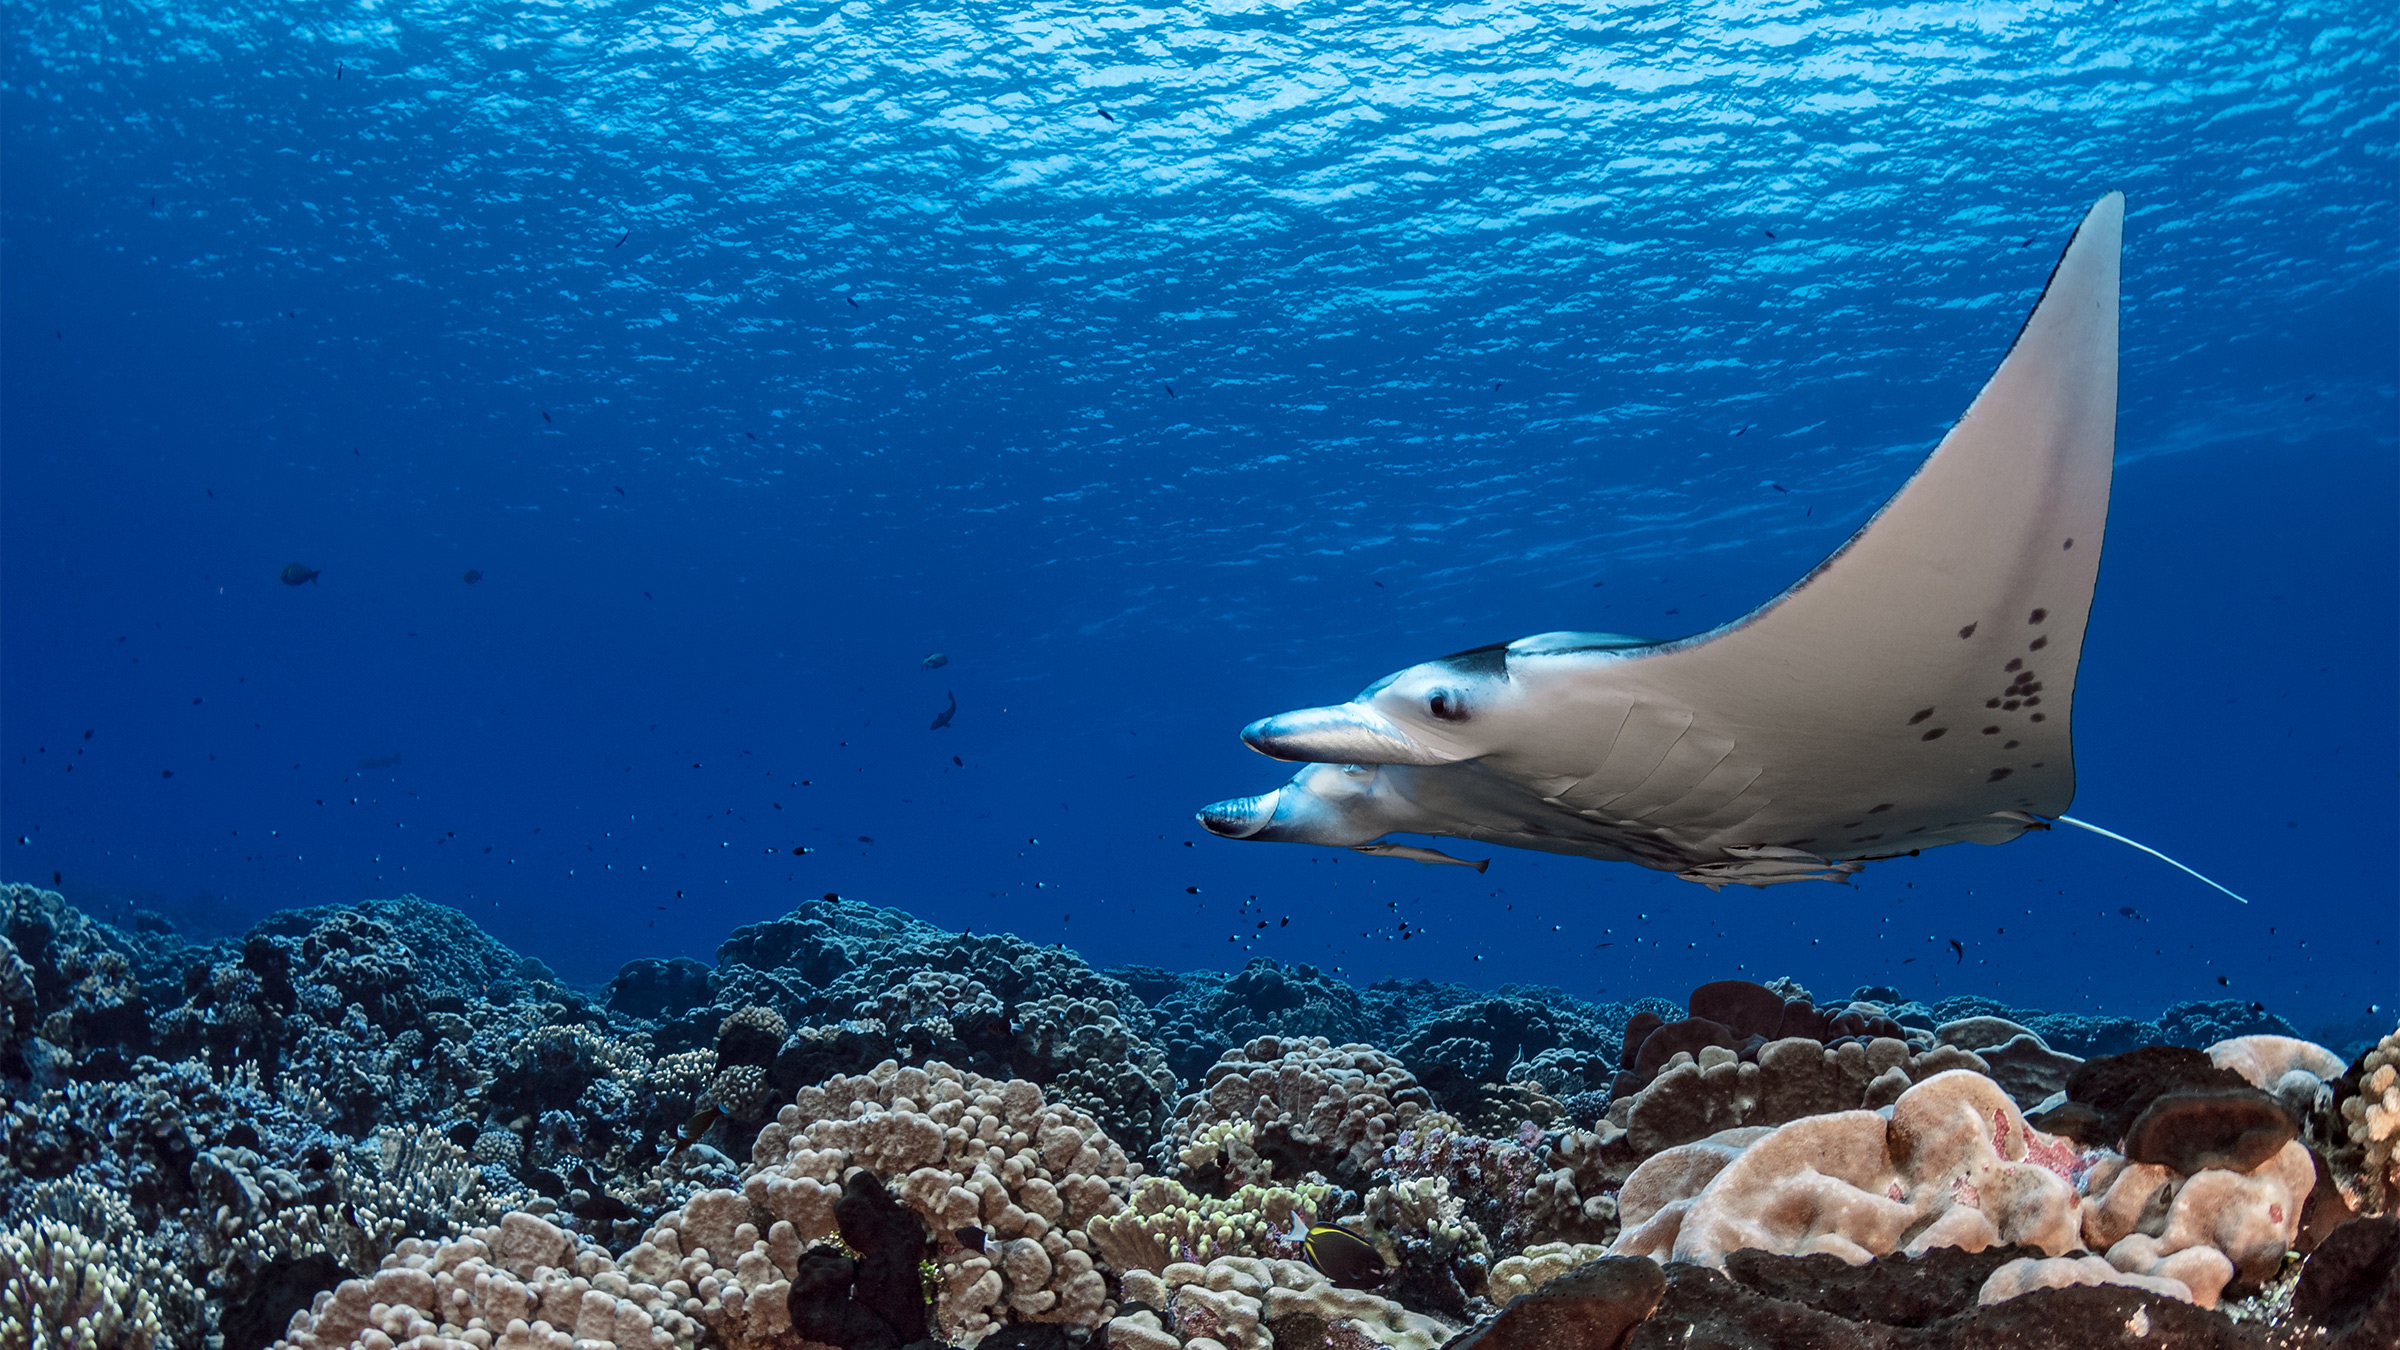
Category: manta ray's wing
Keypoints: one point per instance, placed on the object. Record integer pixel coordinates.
(1916, 687)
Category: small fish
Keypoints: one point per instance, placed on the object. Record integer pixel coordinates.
(547, 1183)
(1767, 232)
(1909, 962)
(1431, 857)
(337, 70)
(582, 1177)
(2222, 980)
(852, 299)
(751, 435)
(545, 414)
(471, 576)
(1104, 112)
(621, 239)
(1961, 949)
(1746, 427)
(298, 574)
(620, 491)
(1169, 388)
(1191, 890)
(2129, 912)
(969, 1238)
(957, 761)
(699, 1124)
(933, 661)
(942, 718)
(801, 850)
(1779, 487)
(1347, 1259)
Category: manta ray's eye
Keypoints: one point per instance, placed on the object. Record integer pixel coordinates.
(1447, 705)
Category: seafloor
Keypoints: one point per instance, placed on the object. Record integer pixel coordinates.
(373, 1126)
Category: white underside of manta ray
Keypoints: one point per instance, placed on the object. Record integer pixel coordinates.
(1915, 689)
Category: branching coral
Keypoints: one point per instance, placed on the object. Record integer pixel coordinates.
(59, 1288)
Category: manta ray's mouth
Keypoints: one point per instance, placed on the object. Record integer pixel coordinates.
(1349, 733)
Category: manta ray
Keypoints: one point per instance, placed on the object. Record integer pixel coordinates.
(1915, 689)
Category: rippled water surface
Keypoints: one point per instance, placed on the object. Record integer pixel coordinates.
(1163, 368)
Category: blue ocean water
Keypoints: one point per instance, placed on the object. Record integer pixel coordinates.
(1163, 368)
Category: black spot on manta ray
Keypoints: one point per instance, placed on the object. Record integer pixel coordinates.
(2010, 706)
(2010, 745)
(1991, 703)
(1922, 714)
(1884, 806)
(1487, 660)
(2069, 544)
(1967, 632)
(1998, 774)
(2039, 716)
(2015, 663)
(2038, 615)
(1991, 731)
(1933, 735)
(2037, 644)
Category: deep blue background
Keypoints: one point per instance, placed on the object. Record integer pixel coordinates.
(1486, 304)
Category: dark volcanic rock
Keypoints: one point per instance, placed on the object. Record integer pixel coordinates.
(2233, 1128)
(1896, 1290)
(890, 1244)
(284, 1288)
(2351, 1284)
(1591, 1307)
(1705, 1310)
(2118, 1087)
(822, 1310)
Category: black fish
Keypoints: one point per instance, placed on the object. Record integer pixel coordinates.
(337, 70)
(620, 491)
(852, 299)
(1779, 487)
(545, 414)
(942, 718)
(1767, 232)
(1104, 113)
(603, 1206)
(472, 576)
(295, 574)
(933, 661)
(582, 1177)
(801, 850)
(1169, 388)
(970, 1238)
(1346, 1258)
(957, 761)
(1960, 948)
(2128, 911)
(546, 1183)
(698, 1125)
(621, 239)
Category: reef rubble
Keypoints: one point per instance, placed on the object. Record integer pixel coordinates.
(372, 1127)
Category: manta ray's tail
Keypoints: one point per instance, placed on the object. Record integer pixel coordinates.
(2112, 834)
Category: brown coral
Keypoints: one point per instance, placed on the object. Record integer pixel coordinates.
(1313, 1106)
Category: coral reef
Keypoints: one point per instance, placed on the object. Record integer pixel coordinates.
(372, 1126)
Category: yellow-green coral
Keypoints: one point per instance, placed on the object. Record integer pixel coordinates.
(60, 1288)
(1538, 1265)
(1164, 1223)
